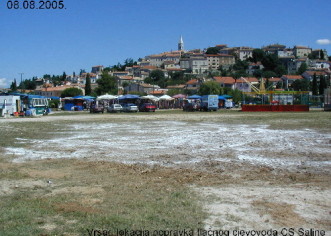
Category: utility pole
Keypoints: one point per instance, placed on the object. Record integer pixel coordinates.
(21, 81)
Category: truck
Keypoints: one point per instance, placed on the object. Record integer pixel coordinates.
(209, 103)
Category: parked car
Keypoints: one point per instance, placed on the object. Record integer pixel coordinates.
(97, 108)
(130, 107)
(115, 108)
(147, 107)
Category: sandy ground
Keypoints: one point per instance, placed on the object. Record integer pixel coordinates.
(271, 178)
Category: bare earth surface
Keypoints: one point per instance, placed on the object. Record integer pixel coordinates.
(253, 176)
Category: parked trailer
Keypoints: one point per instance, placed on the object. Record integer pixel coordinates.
(38, 105)
(209, 103)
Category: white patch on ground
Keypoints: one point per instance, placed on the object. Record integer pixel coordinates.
(177, 144)
(232, 206)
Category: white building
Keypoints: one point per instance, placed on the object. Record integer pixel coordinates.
(9, 104)
(198, 65)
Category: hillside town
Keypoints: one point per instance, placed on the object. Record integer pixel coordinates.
(185, 71)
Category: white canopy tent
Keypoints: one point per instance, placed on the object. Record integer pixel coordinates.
(151, 97)
(107, 97)
(166, 98)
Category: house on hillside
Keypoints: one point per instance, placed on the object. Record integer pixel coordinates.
(289, 79)
(301, 51)
(193, 85)
(225, 82)
(56, 91)
(293, 65)
(252, 67)
(309, 74)
(274, 81)
(141, 88)
(245, 85)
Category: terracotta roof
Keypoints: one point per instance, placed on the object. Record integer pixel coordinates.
(58, 88)
(274, 79)
(192, 81)
(149, 67)
(311, 72)
(301, 47)
(120, 72)
(157, 92)
(146, 85)
(175, 69)
(292, 77)
(249, 79)
(125, 77)
(255, 64)
(224, 80)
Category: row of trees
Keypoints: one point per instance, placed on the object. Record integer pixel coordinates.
(317, 86)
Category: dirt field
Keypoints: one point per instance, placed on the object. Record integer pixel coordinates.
(249, 171)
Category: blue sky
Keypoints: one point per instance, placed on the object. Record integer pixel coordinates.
(104, 32)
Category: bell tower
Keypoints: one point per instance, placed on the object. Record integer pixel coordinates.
(181, 44)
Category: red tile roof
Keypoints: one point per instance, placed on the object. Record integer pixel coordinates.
(224, 80)
(149, 67)
(175, 69)
(274, 79)
(192, 81)
(292, 77)
(249, 79)
(311, 73)
(125, 77)
(157, 92)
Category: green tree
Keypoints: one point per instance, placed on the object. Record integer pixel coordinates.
(240, 65)
(107, 69)
(236, 95)
(106, 84)
(172, 92)
(212, 50)
(47, 76)
(88, 89)
(64, 76)
(258, 73)
(176, 78)
(270, 62)
(257, 55)
(322, 85)
(280, 70)
(322, 57)
(314, 85)
(71, 92)
(269, 74)
(303, 67)
(209, 87)
(156, 77)
(13, 86)
(28, 84)
(301, 85)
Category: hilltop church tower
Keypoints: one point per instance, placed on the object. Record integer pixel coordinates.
(181, 44)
